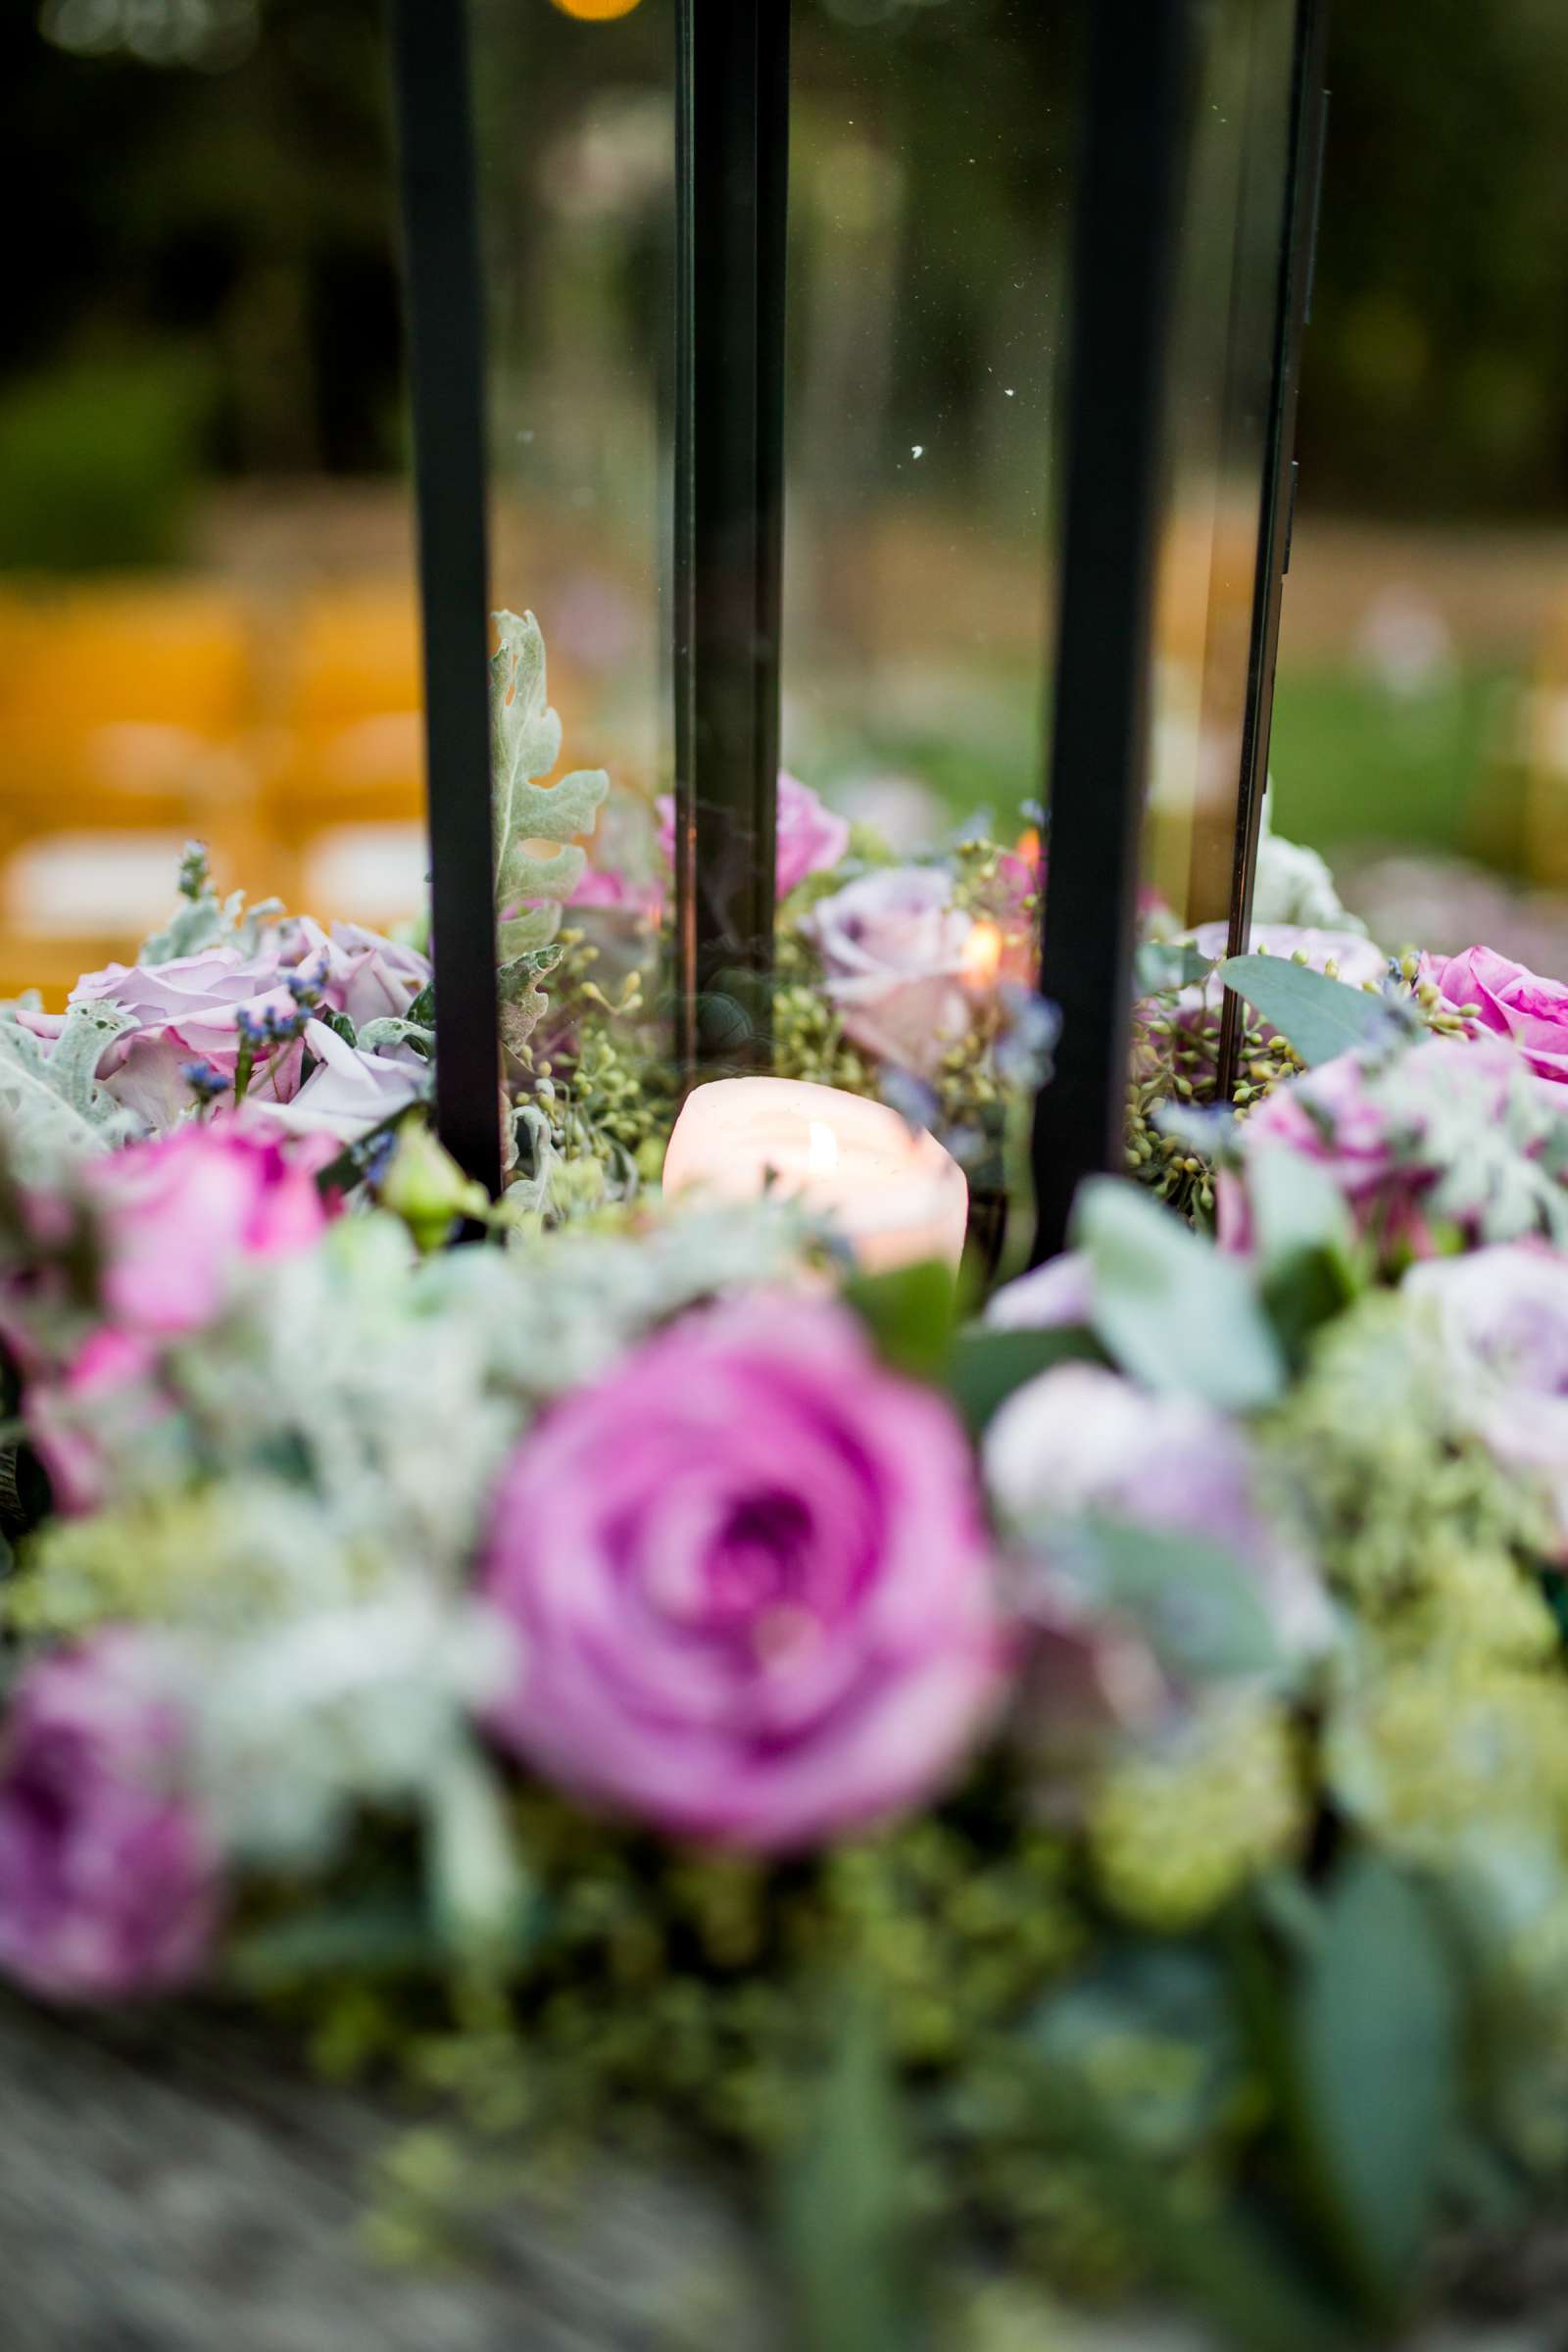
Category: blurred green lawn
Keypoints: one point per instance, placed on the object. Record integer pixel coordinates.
(1353, 763)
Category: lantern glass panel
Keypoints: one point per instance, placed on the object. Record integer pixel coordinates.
(1219, 425)
(932, 153)
(575, 113)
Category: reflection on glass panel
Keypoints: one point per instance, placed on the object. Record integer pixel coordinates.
(1219, 416)
(933, 149)
(576, 136)
(206, 614)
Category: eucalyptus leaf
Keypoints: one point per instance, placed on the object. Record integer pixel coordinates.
(1161, 967)
(1200, 1609)
(909, 1313)
(1173, 1310)
(842, 2204)
(1306, 1245)
(983, 1369)
(478, 1888)
(387, 1936)
(1378, 2027)
(1320, 1018)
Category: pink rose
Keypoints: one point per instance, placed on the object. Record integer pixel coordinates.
(748, 1569)
(182, 1217)
(893, 947)
(1503, 1315)
(1449, 1133)
(81, 1418)
(811, 837)
(176, 1225)
(109, 1883)
(1513, 1000)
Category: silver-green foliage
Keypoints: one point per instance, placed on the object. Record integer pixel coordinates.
(51, 1103)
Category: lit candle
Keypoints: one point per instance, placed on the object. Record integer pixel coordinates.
(893, 1192)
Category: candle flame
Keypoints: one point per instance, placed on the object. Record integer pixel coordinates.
(821, 1148)
(981, 960)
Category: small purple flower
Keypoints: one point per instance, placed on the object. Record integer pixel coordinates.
(109, 1883)
(753, 1591)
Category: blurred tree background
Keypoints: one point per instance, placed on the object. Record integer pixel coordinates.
(203, 302)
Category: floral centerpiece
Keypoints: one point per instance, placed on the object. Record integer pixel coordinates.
(1073, 1791)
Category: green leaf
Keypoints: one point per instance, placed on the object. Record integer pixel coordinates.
(843, 2208)
(909, 1313)
(388, 1938)
(982, 1367)
(1321, 1018)
(480, 1890)
(1173, 1310)
(1161, 967)
(1200, 1609)
(1306, 1248)
(1376, 2027)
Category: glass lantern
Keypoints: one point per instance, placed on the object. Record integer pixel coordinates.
(899, 391)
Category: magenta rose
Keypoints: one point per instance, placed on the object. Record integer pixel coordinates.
(1511, 999)
(811, 837)
(109, 1883)
(179, 1224)
(80, 1418)
(754, 1592)
(182, 1217)
(1502, 1318)
(893, 946)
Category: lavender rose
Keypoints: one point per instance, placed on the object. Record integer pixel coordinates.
(108, 1881)
(1512, 1001)
(893, 947)
(1503, 1317)
(1080, 1440)
(754, 1598)
(194, 1010)
(811, 837)
(1060, 1292)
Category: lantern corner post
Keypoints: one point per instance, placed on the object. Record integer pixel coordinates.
(1128, 209)
(732, 170)
(439, 185)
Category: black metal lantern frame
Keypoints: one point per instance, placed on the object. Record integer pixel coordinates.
(732, 139)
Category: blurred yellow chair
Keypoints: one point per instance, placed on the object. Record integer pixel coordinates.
(345, 754)
(124, 712)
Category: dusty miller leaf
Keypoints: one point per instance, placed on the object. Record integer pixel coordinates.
(53, 1105)
(526, 744)
(522, 1000)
